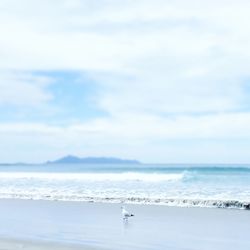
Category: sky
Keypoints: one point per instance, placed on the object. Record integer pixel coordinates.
(163, 81)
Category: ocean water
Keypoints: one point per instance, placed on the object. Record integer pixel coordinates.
(225, 186)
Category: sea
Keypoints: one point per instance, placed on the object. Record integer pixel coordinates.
(186, 185)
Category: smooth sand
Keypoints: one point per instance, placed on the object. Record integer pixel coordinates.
(13, 244)
(27, 224)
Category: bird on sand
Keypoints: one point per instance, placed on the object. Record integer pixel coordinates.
(126, 214)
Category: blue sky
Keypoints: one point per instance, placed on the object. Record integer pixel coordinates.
(159, 81)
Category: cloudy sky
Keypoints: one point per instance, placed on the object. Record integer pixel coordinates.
(160, 81)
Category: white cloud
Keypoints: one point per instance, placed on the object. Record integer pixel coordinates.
(167, 70)
(147, 137)
(22, 89)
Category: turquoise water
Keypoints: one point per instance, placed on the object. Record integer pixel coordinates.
(173, 185)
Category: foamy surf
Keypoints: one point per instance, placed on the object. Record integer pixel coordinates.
(171, 186)
(229, 204)
(117, 177)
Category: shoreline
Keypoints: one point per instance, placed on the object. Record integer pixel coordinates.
(170, 202)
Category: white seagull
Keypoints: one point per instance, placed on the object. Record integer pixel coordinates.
(125, 213)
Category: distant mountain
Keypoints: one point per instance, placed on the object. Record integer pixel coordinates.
(92, 160)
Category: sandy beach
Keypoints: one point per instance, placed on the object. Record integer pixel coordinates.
(30, 224)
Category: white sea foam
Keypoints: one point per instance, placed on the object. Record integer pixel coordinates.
(117, 177)
(233, 204)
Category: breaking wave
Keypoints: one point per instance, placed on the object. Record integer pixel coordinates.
(182, 187)
(97, 177)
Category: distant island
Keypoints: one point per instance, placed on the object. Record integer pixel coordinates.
(92, 160)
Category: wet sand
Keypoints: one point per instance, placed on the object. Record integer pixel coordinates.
(13, 244)
(29, 224)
